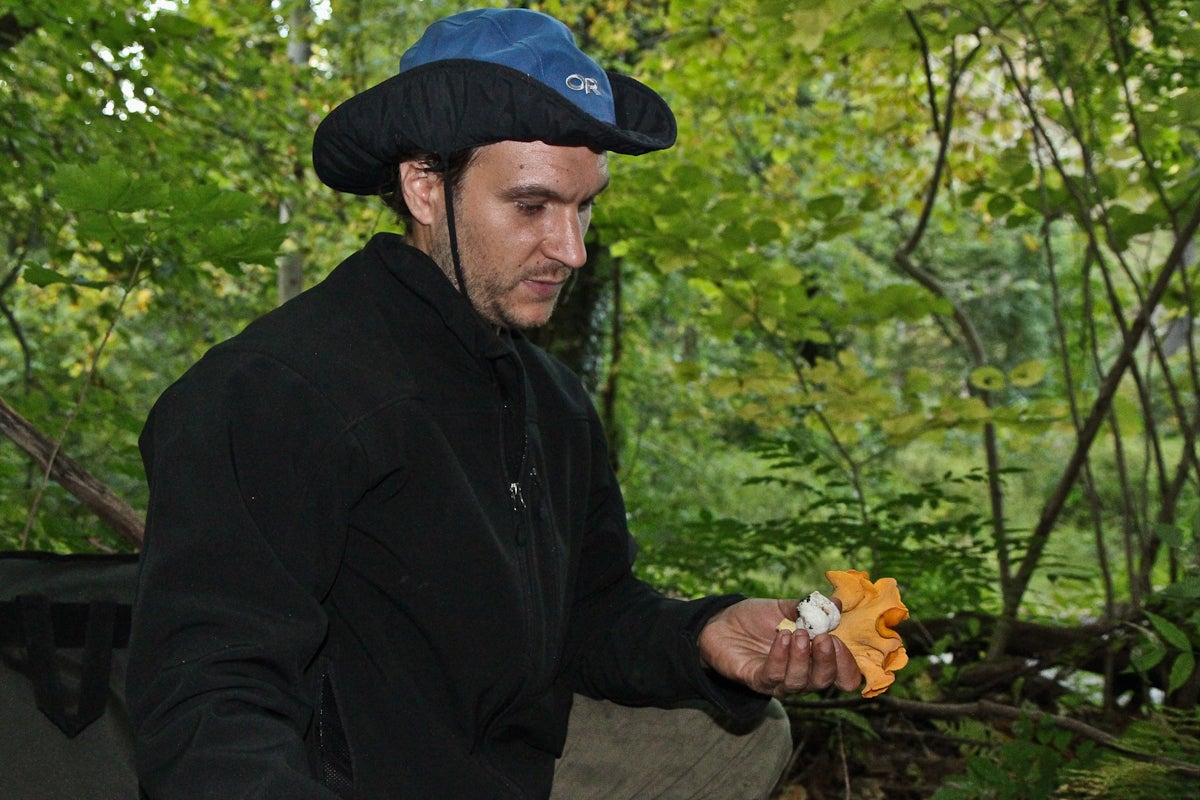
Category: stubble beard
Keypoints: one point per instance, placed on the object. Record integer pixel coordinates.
(483, 289)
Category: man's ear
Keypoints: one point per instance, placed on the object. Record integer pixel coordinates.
(422, 188)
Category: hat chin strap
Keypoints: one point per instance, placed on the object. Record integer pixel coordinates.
(452, 232)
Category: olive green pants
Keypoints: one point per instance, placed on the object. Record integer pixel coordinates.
(616, 752)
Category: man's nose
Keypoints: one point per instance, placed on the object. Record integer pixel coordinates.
(565, 242)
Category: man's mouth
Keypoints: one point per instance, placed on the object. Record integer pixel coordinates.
(544, 285)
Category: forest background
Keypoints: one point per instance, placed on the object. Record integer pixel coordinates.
(914, 294)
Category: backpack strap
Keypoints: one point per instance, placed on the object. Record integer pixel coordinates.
(37, 620)
(69, 621)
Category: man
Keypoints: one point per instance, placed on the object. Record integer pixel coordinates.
(385, 554)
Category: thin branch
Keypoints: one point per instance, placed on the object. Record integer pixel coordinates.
(89, 375)
(991, 709)
(934, 113)
(1135, 126)
(14, 324)
(943, 130)
(842, 759)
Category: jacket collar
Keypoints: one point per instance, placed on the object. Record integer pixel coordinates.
(424, 278)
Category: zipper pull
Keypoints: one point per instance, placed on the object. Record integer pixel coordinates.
(518, 505)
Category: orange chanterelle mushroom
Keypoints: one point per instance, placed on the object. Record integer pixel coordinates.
(864, 624)
(869, 611)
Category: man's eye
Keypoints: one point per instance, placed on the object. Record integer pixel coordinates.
(529, 208)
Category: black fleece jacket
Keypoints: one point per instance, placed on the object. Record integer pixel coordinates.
(384, 547)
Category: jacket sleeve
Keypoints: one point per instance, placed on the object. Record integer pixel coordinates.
(241, 533)
(635, 645)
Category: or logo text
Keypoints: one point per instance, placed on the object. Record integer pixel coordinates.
(578, 83)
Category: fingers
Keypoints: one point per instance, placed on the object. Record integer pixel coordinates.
(823, 669)
(788, 665)
(798, 663)
(849, 676)
(775, 669)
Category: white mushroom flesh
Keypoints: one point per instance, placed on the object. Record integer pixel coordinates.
(817, 614)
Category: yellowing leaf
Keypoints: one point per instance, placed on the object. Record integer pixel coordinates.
(905, 426)
(724, 387)
(1027, 373)
(988, 378)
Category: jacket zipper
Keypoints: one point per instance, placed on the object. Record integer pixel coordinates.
(517, 496)
(514, 415)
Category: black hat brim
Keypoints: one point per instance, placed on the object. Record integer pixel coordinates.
(357, 146)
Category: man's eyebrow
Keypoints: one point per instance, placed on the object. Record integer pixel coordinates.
(539, 190)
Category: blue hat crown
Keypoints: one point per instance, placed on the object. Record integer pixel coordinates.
(528, 41)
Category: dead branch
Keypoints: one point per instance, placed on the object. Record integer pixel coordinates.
(92, 493)
(993, 710)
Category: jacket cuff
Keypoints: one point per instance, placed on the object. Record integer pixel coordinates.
(732, 697)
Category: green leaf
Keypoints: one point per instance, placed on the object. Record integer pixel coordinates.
(117, 232)
(1187, 589)
(1147, 654)
(735, 236)
(1000, 205)
(229, 246)
(209, 203)
(764, 231)
(44, 276)
(1169, 631)
(1126, 224)
(841, 225)
(1021, 174)
(108, 186)
(987, 378)
(1181, 671)
(826, 207)
(859, 722)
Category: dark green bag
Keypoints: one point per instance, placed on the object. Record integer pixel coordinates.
(64, 629)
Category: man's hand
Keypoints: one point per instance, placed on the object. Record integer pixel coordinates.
(741, 643)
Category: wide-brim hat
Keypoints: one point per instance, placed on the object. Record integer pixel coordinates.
(481, 77)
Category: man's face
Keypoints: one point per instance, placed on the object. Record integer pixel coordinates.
(521, 213)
